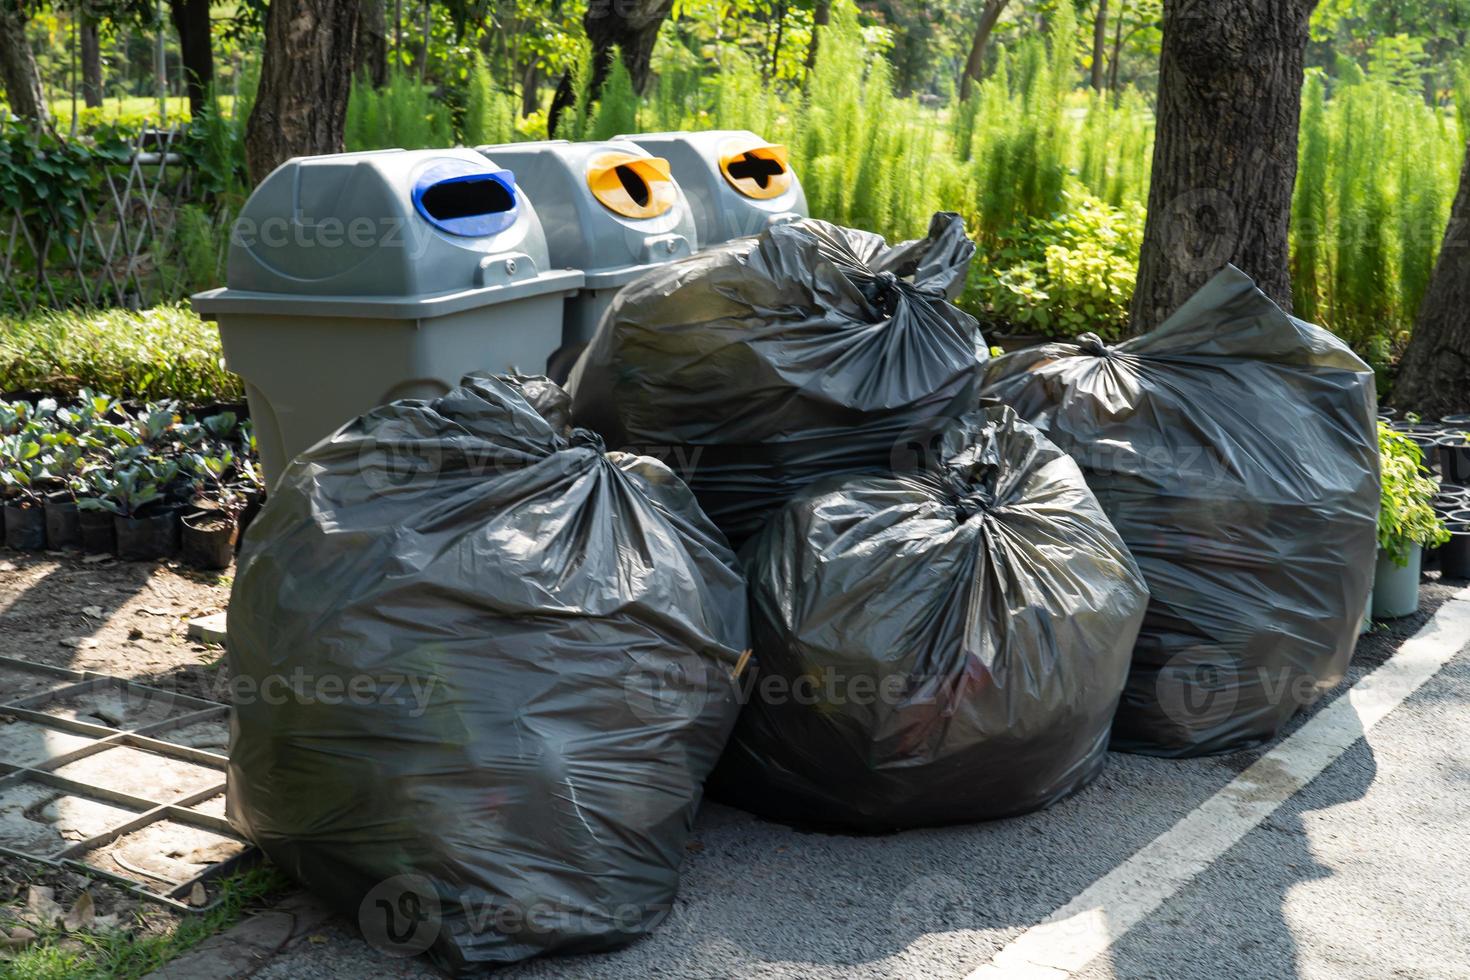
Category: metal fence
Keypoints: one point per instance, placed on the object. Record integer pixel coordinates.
(121, 251)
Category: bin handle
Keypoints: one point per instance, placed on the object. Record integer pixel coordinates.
(631, 185)
(761, 171)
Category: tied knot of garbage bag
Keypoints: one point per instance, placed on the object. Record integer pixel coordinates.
(1092, 344)
(966, 497)
(586, 439)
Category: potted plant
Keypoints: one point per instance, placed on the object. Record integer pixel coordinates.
(95, 524)
(23, 478)
(1407, 522)
(146, 526)
(1455, 555)
(1454, 457)
(63, 520)
(210, 533)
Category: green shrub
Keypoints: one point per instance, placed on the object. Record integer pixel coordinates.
(489, 114)
(403, 113)
(164, 352)
(1069, 274)
(1406, 516)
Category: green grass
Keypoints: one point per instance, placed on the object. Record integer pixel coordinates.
(164, 352)
(132, 109)
(124, 956)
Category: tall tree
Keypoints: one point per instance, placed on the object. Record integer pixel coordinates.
(305, 79)
(1434, 375)
(975, 63)
(821, 17)
(196, 49)
(23, 89)
(632, 27)
(371, 58)
(1099, 46)
(91, 55)
(1229, 105)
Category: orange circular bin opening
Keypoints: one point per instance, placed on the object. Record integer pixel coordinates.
(762, 171)
(632, 186)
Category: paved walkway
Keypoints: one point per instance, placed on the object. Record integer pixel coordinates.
(1335, 854)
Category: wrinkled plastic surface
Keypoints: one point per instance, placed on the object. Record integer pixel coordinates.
(762, 365)
(936, 646)
(546, 635)
(1235, 450)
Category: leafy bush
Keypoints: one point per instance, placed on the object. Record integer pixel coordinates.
(489, 115)
(403, 113)
(1406, 516)
(164, 352)
(1065, 275)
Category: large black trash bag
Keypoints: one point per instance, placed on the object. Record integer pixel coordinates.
(757, 367)
(942, 645)
(1235, 450)
(537, 643)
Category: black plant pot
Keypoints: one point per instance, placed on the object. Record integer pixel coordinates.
(25, 526)
(1454, 459)
(97, 530)
(147, 538)
(63, 523)
(254, 500)
(1454, 556)
(208, 539)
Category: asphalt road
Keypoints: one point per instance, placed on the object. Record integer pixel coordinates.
(1363, 872)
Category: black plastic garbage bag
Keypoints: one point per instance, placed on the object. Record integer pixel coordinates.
(1235, 450)
(482, 673)
(942, 645)
(757, 367)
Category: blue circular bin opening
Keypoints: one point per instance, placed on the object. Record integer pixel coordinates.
(467, 203)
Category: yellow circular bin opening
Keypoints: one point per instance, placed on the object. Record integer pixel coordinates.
(632, 186)
(761, 171)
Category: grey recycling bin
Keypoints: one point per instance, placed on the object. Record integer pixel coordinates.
(609, 209)
(357, 279)
(736, 182)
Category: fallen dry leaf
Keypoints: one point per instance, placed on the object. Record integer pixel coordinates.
(19, 937)
(41, 906)
(95, 612)
(81, 915)
(78, 642)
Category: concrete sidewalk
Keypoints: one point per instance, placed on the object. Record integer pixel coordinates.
(1363, 872)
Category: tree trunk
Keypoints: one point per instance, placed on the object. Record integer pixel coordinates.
(632, 27)
(821, 17)
(975, 63)
(305, 79)
(1117, 57)
(371, 58)
(530, 88)
(424, 48)
(91, 53)
(196, 50)
(1434, 375)
(18, 68)
(1099, 46)
(1229, 104)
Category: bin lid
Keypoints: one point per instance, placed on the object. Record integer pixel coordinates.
(761, 171)
(388, 223)
(610, 208)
